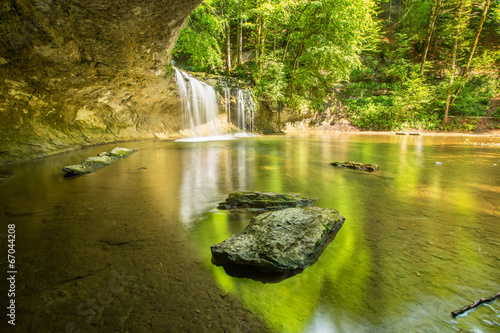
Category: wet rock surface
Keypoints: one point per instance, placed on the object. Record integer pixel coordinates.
(356, 166)
(77, 73)
(280, 241)
(94, 163)
(263, 201)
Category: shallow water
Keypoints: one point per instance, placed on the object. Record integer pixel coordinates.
(420, 238)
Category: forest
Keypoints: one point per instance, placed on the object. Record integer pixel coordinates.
(386, 65)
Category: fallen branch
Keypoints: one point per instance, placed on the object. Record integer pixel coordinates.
(457, 313)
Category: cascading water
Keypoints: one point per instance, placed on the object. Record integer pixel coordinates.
(199, 105)
(245, 110)
(227, 103)
(201, 109)
(241, 110)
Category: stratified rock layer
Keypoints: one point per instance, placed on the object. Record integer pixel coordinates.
(92, 164)
(74, 73)
(357, 166)
(279, 241)
(263, 201)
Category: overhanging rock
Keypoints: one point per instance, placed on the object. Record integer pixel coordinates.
(280, 241)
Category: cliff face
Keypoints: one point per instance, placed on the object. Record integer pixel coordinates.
(77, 72)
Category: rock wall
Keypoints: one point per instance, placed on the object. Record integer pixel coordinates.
(79, 72)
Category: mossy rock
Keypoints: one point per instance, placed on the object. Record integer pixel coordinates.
(94, 163)
(280, 241)
(357, 166)
(263, 201)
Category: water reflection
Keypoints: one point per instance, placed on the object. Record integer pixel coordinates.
(199, 181)
(210, 171)
(418, 241)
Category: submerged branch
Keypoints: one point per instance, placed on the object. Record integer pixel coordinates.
(456, 313)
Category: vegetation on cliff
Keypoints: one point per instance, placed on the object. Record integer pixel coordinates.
(392, 64)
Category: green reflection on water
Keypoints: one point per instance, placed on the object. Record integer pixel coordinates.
(419, 241)
(290, 304)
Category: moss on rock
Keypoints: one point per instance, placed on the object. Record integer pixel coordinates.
(263, 201)
(280, 241)
(94, 163)
(357, 166)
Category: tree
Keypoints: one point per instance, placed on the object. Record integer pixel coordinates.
(200, 39)
(432, 24)
(479, 29)
(459, 27)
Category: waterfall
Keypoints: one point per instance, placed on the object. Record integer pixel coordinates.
(240, 99)
(227, 103)
(201, 109)
(199, 105)
(245, 110)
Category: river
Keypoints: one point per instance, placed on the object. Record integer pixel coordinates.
(127, 248)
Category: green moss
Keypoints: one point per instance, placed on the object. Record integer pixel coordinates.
(260, 200)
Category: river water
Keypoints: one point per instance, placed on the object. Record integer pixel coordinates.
(127, 248)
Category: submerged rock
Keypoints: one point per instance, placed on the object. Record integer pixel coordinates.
(263, 200)
(92, 164)
(356, 166)
(280, 241)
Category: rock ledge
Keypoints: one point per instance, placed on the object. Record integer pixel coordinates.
(92, 164)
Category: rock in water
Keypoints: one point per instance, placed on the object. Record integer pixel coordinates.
(92, 164)
(356, 166)
(280, 241)
(263, 200)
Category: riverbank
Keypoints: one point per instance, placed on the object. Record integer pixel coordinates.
(321, 125)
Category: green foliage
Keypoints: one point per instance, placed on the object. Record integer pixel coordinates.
(408, 106)
(302, 50)
(324, 46)
(199, 40)
(271, 82)
(475, 97)
(460, 125)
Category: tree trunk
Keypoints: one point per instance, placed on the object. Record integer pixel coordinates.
(262, 40)
(228, 47)
(432, 24)
(258, 42)
(454, 59)
(473, 49)
(240, 42)
(390, 10)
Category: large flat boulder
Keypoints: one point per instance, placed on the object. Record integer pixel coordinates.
(280, 241)
(263, 201)
(94, 163)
